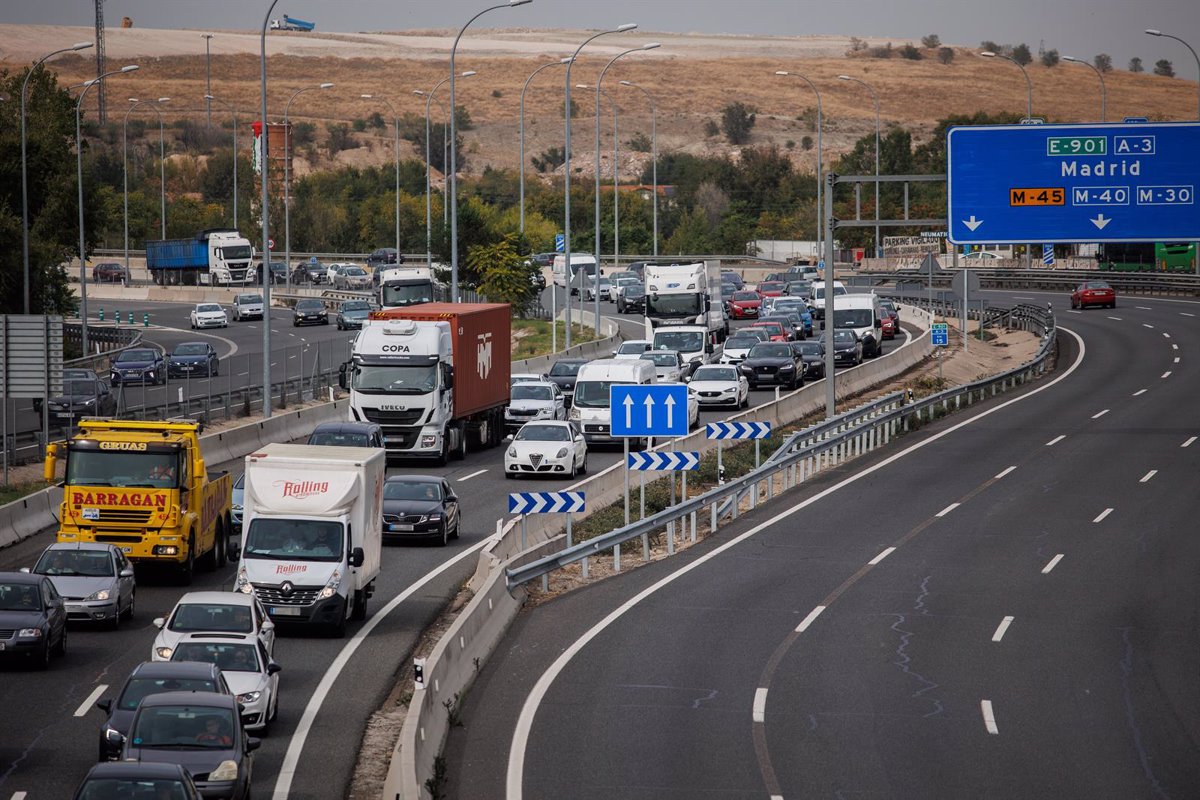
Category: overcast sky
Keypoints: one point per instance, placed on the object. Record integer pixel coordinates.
(1073, 27)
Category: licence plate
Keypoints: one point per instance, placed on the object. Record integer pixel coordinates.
(284, 611)
(92, 514)
(400, 527)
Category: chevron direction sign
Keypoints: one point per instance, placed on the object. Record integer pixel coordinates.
(664, 462)
(738, 430)
(545, 502)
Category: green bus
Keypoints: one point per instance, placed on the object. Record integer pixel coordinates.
(1147, 256)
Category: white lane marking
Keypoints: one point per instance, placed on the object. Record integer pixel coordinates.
(1001, 629)
(1167, 374)
(1176, 359)
(1099, 415)
(760, 704)
(1118, 319)
(18, 796)
(472, 475)
(515, 775)
(242, 374)
(1015, 296)
(86, 705)
(1004, 472)
(1102, 515)
(1147, 325)
(1174, 347)
(1146, 478)
(1181, 313)
(1055, 441)
(989, 717)
(1071, 311)
(1053, 563)
(877, 559)
(1144, 308)
(291, 759)
(1140, 392)
(273, 330)
(1188, 443)
(947, 509)
(1166, 336)
(816, 612)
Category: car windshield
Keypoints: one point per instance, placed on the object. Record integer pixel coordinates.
(809, 348)
(740, 343)
(244, 299)
(412, 490)
(789, 305)
(771, 286)
(208, 307)
(844, 337)
(634, 290)
(84, 563)
(745, 296)
(398, 295)
(211, 617)
(356, 305)
(1096, 285)
(81, 389)
(593, 394)
(679, 341)
(714, 373)
(683, 304)
(852, 318)
(819, 292)
(339, 439)
(20, 597)
(229, 656)
(357, 272)
(294, 540)
(662, 359)
(137, 688)
(156, 789)
(771, 351)
(532, 432)
(564, 369)
(200, 727)
(772, 329)
(532, 391)
(190, 350)
(309, 305)
(121, 468)
(633, 348)
(131, 356)
(416, 379)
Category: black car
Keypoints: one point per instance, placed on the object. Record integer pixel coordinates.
(33, 618)
(347, 434)
(813, 355)
(420, 505)
(847, 347)
(352, 314)
(82, 397)
(311, 272)
(154, 677)
(564, 373)
(734, 278)
(193, 358)
(202, 731)
(309, 311)
(773, 362)
(632, 300)
(542, 259)
(138, 365)
(134, 779)
(791, 319)
(278, 273)
(384, 256)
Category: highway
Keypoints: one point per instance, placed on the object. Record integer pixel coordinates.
(329, 687)
(1001, 605)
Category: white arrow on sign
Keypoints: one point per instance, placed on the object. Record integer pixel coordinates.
(628, 412)
(1100, 221)
(972, 223)
(670, 404)
(649, 403)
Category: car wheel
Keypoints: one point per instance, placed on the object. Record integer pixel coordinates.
(115, 622)
(583, 466)
(43, 659)
(510, 475)
(443, 536)
(360, 605)
(129, 608)
(61, 649)
(571, 475)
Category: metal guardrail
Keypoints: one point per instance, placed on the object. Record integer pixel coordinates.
(823, 445)
(110, 340)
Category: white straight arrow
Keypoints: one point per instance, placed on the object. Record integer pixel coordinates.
(628, 412)
(649, 402)
(670, 404)
(972, 223)
(1100, 221)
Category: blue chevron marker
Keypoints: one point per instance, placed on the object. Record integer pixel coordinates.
(738, 430)
(545, 502)
(664, 462)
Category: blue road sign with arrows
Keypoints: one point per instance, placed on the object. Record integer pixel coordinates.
(1008, 184)
(545, 502)
(663, 462)
(649, 410)
(738, 430)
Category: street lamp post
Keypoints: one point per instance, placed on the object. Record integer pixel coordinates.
(264, 169)
(429, 98)
(396, 154)
(24, 178)
(79, 178)
(134, 103)
(1103, 88)
(287, 192)
(616, 207)
(452, 180)
(208, 78)
(875, 97)
(820, 182)
(1028, 115)
(521, 134)
(210, 98)
(1156, 32)
(653, 154)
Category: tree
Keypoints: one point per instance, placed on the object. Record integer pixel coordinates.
(910, 52)
(462, 119)
(550, 159)
(737, 120)
(504, 278)
(945, 54)
(931, 42)
(1103, 62)
(1164, 68)
(1021, 54)
(359, 125)
(339, 138)
(806, 142)
(1050, 58)
(990, 46)
(377, 121)
(711, 128)
(1135, 65)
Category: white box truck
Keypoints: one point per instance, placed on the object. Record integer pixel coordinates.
(312, 532)
(686, 294)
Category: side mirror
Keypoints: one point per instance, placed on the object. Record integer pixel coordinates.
(268, 626)
(342, 382)
(234, 550)
(356, 557)
(253, 743)
(159, 622)
(127, 572)
(24, 569)
(878, 324)
(273, 668)
(114, 738)
(105, 706)
(50, 466)
(450, 377)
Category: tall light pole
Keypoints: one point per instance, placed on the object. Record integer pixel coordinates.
(134, 103)
(521, 134)
(820, 181)
(208, 78)
(1103, 88)
(233, 112)
(79, 177)
(1028, 115)
(429, 98)
(875, 97)
(162, 167)
(264, 170)
(567, 176)
(451, 176)
(287, 192)
(24, 178)
(1156, 32)
(653, 154)
(396, 154)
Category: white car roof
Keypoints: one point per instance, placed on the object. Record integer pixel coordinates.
(228, 598)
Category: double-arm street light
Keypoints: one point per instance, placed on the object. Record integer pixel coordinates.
(1100, 75)
(1156, 32)
(430, 98)
(875, 97)
(396, 155)
(287, 193)
(24, 178)
(521, 133)
(653, 154)
(233, 112)
(79, 178)
(820, 182)
(451, 178)
(162, 174)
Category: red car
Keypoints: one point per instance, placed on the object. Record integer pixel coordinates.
(108, 272)
(1093, 293)
(776, 330)
(771, 288)
(887, 324)
(744, 305)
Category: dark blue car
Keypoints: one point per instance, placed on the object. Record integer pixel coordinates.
(193, 358)
(138, 365)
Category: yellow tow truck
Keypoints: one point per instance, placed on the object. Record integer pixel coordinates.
(143, 486)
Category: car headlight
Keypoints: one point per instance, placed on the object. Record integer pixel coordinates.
(227, 771)
(29, 633)
(242, 584)
(99, 595)
(512, 452)
(575, 413)
(248, 697)
(163, 652)
(562, 453)
(91, 402)
(330, 588)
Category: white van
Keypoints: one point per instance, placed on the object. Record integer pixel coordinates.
(590, 406)
(580, 263)
(861, 313)
(818, 296)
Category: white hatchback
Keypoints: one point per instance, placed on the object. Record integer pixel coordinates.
(633, 348)
(212, 612)
(248, 669)
(209, 315)
(546, 449)
(719, 385)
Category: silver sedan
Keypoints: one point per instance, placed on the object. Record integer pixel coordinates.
(95, 580)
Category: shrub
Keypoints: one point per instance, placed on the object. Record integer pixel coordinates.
(1050, 58)
(1135, 65)
(359, 125)
(497, 93)
(881, 52)
(910, 52)
(549, 160)
(806, 142)
(990, 46)
(790, 144)
(640, 143)
(737, 120)
(303, 133)
(932, 41)
(377, 121)
(1103, 62)
(340, 138)
(711, 128)
(857, 44)
(462, 119)
(1022, 55)
(1164, 68)
(945, 54)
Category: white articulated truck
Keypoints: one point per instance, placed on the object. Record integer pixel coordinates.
(686, 294)
(312, 532)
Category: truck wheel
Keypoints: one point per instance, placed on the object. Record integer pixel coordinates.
(187, 570)
(460, 452)
(360, 606)
(222, 546)
(212, 559)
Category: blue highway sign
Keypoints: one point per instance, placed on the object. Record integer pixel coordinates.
(649, 410)
(738, 430)
(663, 462)
(545, 502)
(940, 334)
(560, 243)
(1009, 184)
